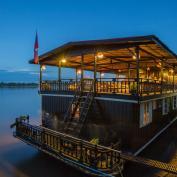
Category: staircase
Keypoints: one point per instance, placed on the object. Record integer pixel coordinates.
(79, 108)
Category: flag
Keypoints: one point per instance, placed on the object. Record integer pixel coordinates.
(36, 47)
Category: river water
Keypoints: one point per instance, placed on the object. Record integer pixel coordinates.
(20, 160)
(16, 158)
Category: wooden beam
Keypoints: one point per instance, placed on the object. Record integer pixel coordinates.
(156, 57)
(77, 51)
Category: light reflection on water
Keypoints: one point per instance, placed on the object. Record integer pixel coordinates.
(16, 158)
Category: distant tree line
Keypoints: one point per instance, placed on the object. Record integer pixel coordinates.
(17, 85)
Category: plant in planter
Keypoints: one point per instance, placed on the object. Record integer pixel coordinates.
(95, 141)
(133, 88)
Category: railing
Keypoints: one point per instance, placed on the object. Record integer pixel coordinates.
(121, 85)
(64, 85)
(125, 86)
(95, 159)
(65, 146)
(148, 86)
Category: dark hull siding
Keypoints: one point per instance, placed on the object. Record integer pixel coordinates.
(116, 120)
(110, 121)
(53, 110)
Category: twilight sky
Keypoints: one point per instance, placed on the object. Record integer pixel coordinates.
(60, 21)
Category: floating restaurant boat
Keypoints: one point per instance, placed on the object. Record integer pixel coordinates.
(91, 123)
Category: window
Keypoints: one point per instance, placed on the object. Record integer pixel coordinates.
(154, 104)
(165, 106)
(145, 114)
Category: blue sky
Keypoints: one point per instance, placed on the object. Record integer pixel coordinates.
(58, 22)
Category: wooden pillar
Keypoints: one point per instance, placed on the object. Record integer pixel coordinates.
(129, 76)
(76, 74)
(95, 71)
(40, 74)
(40, 77)
(100, 76)
(137, 70)
(147, 72)
(128, 70)
(173, 79)
(161, 73)
(82, 71)
(59, 71)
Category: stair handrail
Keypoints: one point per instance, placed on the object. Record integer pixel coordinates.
(68, 113)
(87, 98)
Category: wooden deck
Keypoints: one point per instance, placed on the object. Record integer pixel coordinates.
(90, 158)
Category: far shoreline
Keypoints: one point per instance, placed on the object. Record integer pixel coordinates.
(17, 85)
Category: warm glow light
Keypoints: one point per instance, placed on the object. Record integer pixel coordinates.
(63, 60)
(43, 67)
(100, 55)
(79, 72)
(171, 71)
(102, 74)
(148, 69)
(134, 57)
(165, 74)
(159, 65)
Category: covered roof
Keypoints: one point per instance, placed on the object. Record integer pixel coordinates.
(117, 53)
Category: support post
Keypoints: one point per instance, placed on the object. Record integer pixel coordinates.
(100, 76)
(173, 79)
(59, 75)
(76, 83)
(76, 74)
(59, 71)
(82, 72)
(128, 70)
(161, 73)
(40, 77)
(95, 71)
(129, 77)
(137, 70)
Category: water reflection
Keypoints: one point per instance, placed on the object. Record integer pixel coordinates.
(16, 158)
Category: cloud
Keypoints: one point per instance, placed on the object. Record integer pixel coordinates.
(20, 70)
(16, 70)
(37, 73)
(34, 73)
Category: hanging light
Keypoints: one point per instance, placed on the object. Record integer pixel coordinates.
(78, 72)
(171, 71)
(134, 57)
(102, 74)
(63, 60)
(148, 68)
(43, 67)
(100, 55)
(159, 65)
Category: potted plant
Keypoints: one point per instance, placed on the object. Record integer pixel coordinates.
(133, 88)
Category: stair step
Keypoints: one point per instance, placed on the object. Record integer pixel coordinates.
(74, 125)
